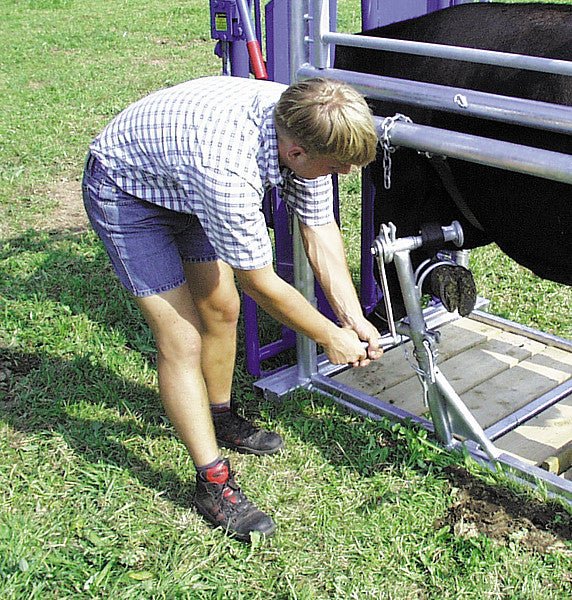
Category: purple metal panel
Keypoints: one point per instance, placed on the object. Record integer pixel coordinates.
(376, 13)
(277, 40)
(239, 61)
(370, 293)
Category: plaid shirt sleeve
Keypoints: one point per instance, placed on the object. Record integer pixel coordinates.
(311, 199)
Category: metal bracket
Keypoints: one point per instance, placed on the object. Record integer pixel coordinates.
(449, 414)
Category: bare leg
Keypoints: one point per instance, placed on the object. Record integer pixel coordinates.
(174, 321)
(218, 305)
(189, 370)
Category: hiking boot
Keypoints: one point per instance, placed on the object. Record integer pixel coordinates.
(221, 501)
(237, 433)
(455, 287)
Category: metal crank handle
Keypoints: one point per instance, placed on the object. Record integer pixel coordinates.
(386, 341)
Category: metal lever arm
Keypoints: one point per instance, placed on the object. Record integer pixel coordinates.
(252, 45)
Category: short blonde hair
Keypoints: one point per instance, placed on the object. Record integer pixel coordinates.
(328, 118)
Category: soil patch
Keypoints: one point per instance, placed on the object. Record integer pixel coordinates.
(69, 213)
(59, 209)
(504, 516)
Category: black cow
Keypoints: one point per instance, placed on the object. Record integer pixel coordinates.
(530, 218)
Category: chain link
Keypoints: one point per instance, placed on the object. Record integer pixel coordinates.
(386, 126)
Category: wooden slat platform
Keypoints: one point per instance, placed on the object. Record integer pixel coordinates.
(495, 373)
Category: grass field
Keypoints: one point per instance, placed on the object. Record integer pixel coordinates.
(96, 490)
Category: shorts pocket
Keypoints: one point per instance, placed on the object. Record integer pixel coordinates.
(109, 192)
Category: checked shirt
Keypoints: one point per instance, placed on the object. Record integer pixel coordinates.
(208, 147)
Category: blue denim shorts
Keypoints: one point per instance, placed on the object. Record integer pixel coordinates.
(147, 244)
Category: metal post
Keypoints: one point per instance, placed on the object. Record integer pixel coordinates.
(306, 350)
(320, 25)
(303, 275)
(297, 27)
(556, 166)
(252, 45)
(419, 335)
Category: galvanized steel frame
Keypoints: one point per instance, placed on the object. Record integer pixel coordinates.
(310, 41)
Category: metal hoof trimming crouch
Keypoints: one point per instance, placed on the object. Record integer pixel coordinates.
(449, 414)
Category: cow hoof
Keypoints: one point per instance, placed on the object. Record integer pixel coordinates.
(455, 287)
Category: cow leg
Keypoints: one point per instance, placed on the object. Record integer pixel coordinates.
(416, 197)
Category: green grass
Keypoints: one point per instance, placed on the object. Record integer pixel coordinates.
(95, 489)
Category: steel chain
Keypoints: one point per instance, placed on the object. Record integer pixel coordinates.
(386, 126)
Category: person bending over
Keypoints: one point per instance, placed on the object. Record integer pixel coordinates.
(173, 186)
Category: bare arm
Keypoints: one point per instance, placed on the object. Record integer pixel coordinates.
(288, 306)
(325, 251)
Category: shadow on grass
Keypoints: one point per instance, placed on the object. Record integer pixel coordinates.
(50, 383)
(98, 412)
(72, 271)
(101, 417)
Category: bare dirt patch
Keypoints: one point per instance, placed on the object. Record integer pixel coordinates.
(504, 516)
(69, 213)
(57, 209)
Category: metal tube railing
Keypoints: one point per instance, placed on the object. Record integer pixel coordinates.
(474, 55)
(530, 113)
(494, 153)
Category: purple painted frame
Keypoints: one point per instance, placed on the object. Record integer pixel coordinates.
(374, 13)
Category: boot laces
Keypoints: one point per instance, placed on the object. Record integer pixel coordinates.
(231, 499)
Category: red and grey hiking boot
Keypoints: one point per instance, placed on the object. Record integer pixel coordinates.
(237, 433)
(219, 498)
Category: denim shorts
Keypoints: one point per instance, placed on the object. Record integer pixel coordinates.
(147, 244)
